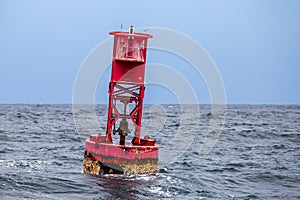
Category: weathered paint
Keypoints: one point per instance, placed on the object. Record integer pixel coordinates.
(101, 157)
(97, 165)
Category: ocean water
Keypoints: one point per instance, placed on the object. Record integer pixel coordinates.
(256, 157)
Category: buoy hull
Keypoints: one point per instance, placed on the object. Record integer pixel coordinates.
(108, 158)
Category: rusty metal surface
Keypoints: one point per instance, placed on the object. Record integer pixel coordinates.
(91, 166)
(114, 165)
(145, 168)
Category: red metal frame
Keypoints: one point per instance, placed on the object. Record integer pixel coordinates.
(127, 81)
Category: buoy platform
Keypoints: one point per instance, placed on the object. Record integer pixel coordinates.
(105, 158)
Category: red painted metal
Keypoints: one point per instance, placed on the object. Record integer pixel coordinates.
(127, 80)
(126, 87)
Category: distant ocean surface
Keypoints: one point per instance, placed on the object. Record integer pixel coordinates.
(257, 157)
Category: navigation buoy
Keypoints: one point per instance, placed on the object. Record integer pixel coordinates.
(103, 153)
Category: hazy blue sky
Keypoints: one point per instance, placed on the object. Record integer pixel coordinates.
(255, 44)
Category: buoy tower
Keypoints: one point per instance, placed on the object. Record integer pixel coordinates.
(105, 154)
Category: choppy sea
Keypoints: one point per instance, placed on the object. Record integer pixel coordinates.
(257, 156)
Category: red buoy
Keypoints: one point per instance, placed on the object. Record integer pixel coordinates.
(103, 153)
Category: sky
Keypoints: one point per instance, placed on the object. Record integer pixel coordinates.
(255, 45)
